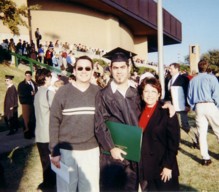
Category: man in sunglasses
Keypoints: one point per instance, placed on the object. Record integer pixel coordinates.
(72, 139)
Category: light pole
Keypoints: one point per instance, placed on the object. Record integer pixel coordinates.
(160, 44)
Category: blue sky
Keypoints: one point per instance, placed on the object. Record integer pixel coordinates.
(200, 26)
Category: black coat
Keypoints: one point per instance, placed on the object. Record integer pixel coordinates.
(160, 145)
(24, 92)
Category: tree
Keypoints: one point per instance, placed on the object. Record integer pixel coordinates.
(13, 16)
(184, 67)
(212, 56)
(186, 59)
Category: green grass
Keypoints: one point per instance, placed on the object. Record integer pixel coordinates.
(23, 171)
(192, 174)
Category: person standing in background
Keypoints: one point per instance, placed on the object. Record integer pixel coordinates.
(41, 53)
(38, 37)
(26, 91)
(181, 81)
(42, 102)
(49, 56)
(203, 97)
(11, 106)
(12, 48)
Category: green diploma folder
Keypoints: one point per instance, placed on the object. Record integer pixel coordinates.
(127, 138)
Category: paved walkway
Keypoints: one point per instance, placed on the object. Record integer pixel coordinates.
(8, 143)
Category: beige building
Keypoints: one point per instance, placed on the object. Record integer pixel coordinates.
(194, 57)
(103, 24)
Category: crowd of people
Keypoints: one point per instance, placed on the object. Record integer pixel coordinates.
(57, 54)
(67, 116)
(44, 51)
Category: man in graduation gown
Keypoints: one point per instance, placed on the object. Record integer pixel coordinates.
(11, 106)
(118, 102)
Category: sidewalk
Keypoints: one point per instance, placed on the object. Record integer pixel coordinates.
(8, 143)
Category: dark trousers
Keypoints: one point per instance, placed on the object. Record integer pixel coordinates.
(38, 43)
(158, 185)
(29, 118)
(49, 177)
(12, 123)
(116, 175)
(48, 61)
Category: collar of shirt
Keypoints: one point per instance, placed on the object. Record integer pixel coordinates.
(114, 86)
(174, 78)
(32, 85)
(9, 86)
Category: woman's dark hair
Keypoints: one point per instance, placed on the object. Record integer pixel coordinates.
(154, 82)
(41, 75)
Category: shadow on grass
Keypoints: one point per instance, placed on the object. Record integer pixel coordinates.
(186, 188)
(214, 155)
(210, 130)
(188, 144)
(14, 167)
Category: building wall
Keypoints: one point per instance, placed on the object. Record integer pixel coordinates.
(79, 25)
(194, 56)
(67, 22)
(141, 47)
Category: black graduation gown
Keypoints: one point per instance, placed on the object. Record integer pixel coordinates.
(11, 100)
(116, 175)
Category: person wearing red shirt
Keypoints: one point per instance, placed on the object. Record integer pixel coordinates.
(161, 135)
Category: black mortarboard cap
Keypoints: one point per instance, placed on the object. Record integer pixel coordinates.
(118, 54)
(9, 76)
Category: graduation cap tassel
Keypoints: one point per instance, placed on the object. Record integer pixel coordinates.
(134, 65)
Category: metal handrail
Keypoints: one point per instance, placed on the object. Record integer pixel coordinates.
(32, 62)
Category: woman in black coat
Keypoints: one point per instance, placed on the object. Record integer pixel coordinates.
(158, 166)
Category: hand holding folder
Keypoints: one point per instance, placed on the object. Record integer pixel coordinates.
(63, 171)
(126, 137)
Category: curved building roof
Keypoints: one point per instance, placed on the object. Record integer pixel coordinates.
(140, 16)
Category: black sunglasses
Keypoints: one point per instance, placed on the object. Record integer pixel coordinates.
(86, 68)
